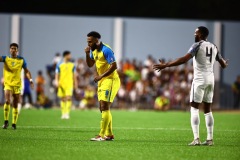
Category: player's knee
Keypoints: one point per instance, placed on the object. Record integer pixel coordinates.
(7, 101)
(104, 107)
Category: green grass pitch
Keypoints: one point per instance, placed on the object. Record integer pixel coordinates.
(140, 135)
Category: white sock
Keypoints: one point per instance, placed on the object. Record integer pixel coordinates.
(19, 107)
(195, 121)
(209, 124)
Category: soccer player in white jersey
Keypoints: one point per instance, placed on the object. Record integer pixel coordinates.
(204, 55)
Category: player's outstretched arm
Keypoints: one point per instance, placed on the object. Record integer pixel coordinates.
(89, 60)
(111, 69)
(176, 62)
(29, 76)
(1, 59)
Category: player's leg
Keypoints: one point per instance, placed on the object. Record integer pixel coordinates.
(209, 120)
(68, 106)
(68, 93)
(196, 96)
(109, 132)
(63, 107)
(104, 108)
(7, 94)
(16, 98)
(61, 95)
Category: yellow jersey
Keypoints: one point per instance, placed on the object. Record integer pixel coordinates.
(12, 70)
(103, 58)
(66, 72)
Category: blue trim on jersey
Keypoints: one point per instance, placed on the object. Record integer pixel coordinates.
(24, 61)
(4, 58)
(57, 70)
(91, 55)
(194, 48)
(74, 69)
(108, 54)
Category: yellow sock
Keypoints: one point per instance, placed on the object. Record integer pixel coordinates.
(6, 111)
(109, 131)
(14, 115)
(68, 106)
(63, 107)
(104, 122)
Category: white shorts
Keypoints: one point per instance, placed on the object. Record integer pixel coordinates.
(201, 92)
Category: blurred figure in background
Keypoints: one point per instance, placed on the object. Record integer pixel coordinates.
(40, 82)
(27, 93)
(236, 92)
(89, 98)
(66, 81)
(162, 103)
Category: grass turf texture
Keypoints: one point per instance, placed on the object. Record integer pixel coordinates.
(41, 134)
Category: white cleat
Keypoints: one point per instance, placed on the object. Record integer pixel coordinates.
(195, 142)
(97, 138)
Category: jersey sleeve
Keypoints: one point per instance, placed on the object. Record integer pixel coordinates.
(3, 58)
(57, 70)
(218, 55)
(194, 49)
(91, 55)
(109, 55)
(74, 69)
(24, 64)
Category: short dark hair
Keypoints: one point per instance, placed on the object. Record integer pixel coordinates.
(13, 45)
(65, 53)
(204, 31)
(94, 34)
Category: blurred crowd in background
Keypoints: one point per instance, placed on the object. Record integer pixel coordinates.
(141, 86)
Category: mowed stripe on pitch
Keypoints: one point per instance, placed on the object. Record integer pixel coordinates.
(120, 128)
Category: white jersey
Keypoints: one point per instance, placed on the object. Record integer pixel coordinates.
(204, 55)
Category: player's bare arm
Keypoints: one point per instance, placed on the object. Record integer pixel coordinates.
(75, 81)
(223, 62)
(29, 76)
(111, 69)
(1, 59)
(90, 62)
(57, 80)
(176, 62)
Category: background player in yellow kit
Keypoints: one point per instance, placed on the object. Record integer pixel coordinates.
(13, 65)
(108, 80)
(65, 81)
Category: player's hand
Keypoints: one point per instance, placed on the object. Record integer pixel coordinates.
(87, 50)
(97, 78)
(226, 62)
(32, 84)
(160, 66)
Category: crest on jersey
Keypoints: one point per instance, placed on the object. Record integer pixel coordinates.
(13, 63)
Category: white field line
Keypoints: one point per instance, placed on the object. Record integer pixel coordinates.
(120, 128)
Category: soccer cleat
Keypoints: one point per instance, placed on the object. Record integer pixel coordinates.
(98, 138)
(195, 142)
(207, 143)
(5, 125)
(109, 138)
(14, 127)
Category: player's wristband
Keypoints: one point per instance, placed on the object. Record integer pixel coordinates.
(31, 80)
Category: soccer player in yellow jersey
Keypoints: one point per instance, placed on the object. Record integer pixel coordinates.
(65, 81)
(13, 65)
(108, 80)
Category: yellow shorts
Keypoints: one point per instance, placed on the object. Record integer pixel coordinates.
(107, 89)
(65, 92)
(13, 89)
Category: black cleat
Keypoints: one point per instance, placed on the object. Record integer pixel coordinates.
(14, 126)
(5, 125)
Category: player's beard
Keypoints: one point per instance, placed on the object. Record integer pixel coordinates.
(196, 39)
(94, 47)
